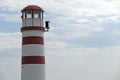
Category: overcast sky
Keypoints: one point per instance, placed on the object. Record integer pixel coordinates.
(82, 44)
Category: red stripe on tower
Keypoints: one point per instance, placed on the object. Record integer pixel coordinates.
(33, 60)
(33, 40)
(32, 28)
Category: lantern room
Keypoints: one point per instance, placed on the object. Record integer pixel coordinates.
(32, 15)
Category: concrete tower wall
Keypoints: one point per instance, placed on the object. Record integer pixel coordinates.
(33, 58)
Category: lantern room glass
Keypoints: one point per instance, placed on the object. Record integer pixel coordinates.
(36, 14)
(29, 13)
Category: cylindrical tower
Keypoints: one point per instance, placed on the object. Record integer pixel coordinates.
(33, 58)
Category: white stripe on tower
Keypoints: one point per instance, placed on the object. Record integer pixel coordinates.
(33, 59)
(33, 49)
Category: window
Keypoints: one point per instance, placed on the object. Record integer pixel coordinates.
(36, 14)
(29, 13)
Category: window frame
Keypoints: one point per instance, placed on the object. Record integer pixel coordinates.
(28, 15)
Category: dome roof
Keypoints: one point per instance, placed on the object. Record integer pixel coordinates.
(32, 7)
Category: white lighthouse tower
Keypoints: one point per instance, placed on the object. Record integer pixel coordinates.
(33, 58)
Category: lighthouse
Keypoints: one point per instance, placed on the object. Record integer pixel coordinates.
(33, 58)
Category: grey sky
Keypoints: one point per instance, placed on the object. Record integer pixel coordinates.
(83, 43)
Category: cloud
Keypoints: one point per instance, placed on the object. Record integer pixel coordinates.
(10, 54)
(62, 57)
(95, 63)
(11, 68)
(10, 40)
(10, 17)
(91, 34)
(76, 9)
(82, 40)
